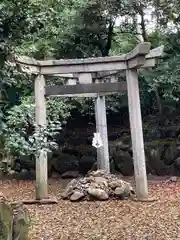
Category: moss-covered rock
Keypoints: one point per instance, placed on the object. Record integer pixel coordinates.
(14, 221)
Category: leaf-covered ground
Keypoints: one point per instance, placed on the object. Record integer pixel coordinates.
(111, 220)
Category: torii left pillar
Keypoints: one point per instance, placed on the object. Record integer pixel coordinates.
(41, 161)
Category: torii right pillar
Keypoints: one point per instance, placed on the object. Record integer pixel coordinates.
(137, 134)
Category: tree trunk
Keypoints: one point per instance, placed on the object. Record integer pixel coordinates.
(143, 26)
(105, 46)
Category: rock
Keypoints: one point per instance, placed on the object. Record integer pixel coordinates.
(72, 183)
(172, 179)
(126, 139)
(2, 198)
(17, 167)
(64, 162)
(122, 146)
(6, 220)
(24, 174)
(149, 169)
(115, 184)
(176, 170)
(88, 150)
(171, 153)
(155, 162)
(119, 191)
(26, 162)
(32, 174)
(98, 182)
(11, 173)
(97, 193)
(124, 191)
(70, 174)
(101, 180)
(67, 193)
(177, 163)
(124, 162)
(21, 222)
(29, 162)
(112, 149)
(84, 181)
(86, 163)
(98, 173)
(112, 166)
(69, 189)
(14, 220)
(76, 196)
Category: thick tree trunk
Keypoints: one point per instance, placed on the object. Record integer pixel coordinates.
(105, 45)
(143, 26)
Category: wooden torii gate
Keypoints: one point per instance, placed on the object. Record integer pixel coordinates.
(85, 79)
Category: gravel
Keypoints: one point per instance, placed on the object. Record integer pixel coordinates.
(110, 220)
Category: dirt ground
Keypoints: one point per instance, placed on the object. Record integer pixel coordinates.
(110, 220)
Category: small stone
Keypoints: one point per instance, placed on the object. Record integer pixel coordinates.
(119, 191)
(76, 196)
(2, 197)
(115, 183)
(98, 173)
(67, 192)
(32, 174)
(24, 174)
(65, 195)
(101, 180)
(70, 174)
(72, 183)
(11, 172)
(69, 189)
(83, 181)
(173, 179)
(89, 179)
(97, 193)
(18, 167)
(86, 186)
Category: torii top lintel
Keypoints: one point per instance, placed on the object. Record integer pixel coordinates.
(140, 56)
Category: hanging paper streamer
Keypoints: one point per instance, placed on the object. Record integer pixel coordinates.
(97, 141)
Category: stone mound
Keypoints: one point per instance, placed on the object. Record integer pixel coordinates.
(98, 185)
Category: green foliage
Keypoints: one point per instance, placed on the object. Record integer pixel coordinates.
(22, 136)
(166, 75)
(74, 29)
(41, 139)
(59, 109)
(123, 43)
